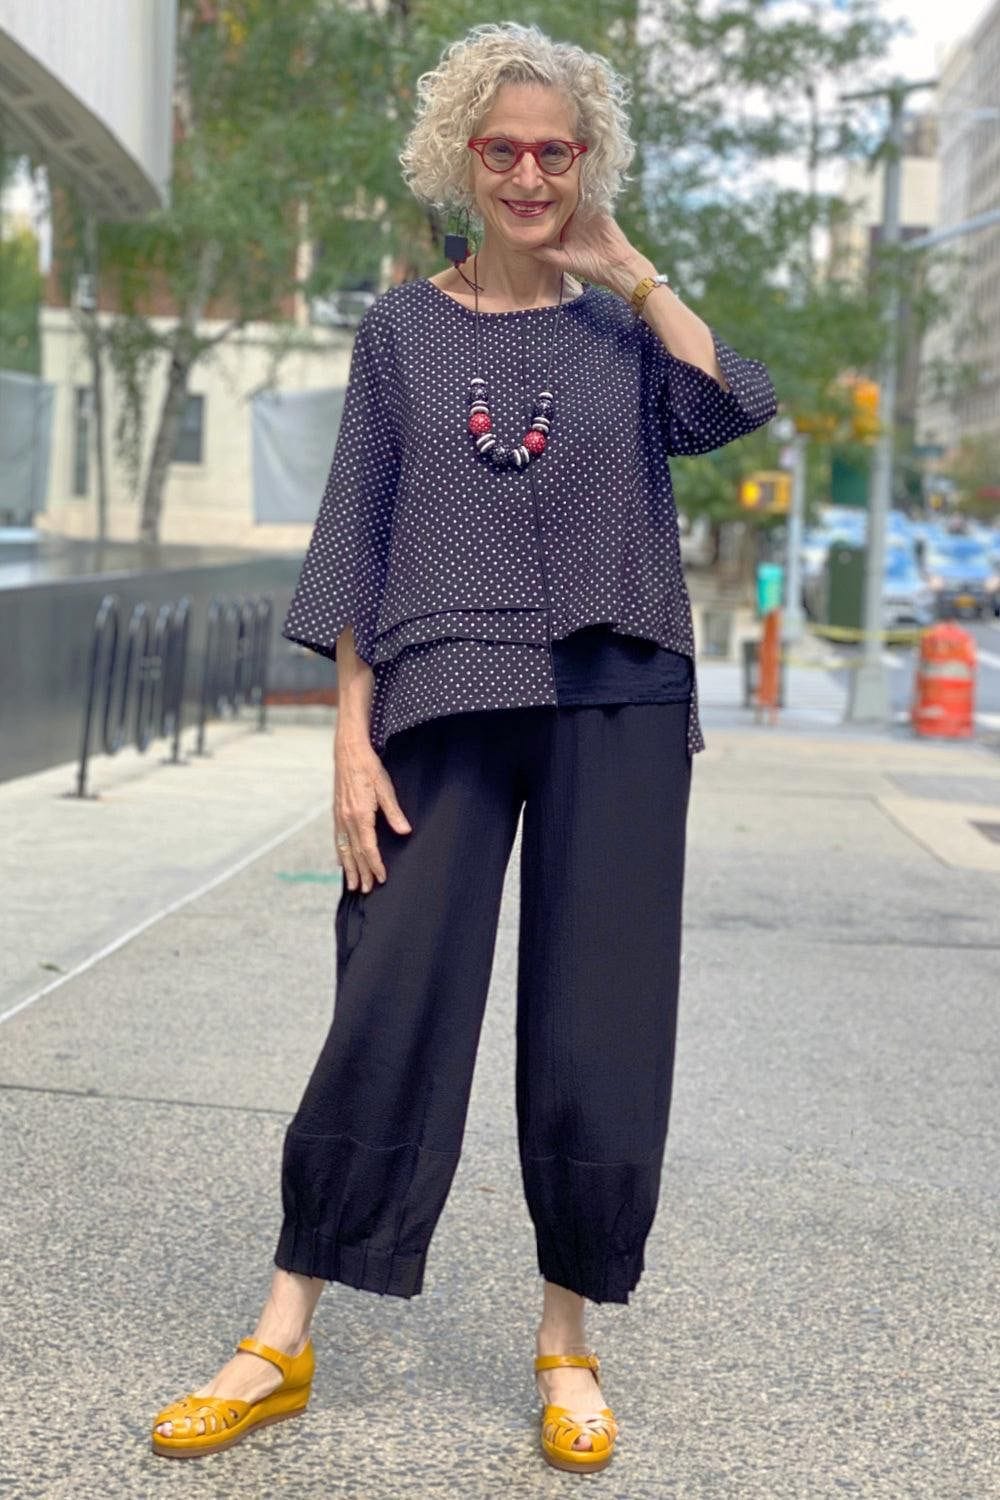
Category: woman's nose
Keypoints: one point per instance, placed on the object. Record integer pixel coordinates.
(527, 174)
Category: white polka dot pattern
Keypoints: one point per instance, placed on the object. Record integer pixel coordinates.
(456, 575)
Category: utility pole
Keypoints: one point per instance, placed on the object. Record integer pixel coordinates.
(783, 430)
(868, 698)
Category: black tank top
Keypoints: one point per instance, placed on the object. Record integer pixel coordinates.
(596, 665)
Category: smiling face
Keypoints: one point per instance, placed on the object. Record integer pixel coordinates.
(526, 112)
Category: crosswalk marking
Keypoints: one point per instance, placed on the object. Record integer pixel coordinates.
(983, 658)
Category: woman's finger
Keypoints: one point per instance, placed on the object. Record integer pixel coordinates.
(389, 803)
(368, 856)
(345, 855)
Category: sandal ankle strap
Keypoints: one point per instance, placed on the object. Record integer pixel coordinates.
(284, 1362)
(553, 1361)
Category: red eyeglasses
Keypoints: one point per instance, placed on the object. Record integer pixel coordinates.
(499, 153)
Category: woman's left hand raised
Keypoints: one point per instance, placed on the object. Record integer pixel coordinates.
(595, 249)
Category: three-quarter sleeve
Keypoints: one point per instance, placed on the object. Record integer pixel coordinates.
(696, 413)
(343, 573)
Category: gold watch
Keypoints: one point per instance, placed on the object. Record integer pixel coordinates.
(645, 286)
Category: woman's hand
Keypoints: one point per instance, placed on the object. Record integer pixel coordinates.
(361, 786)
(595, 249)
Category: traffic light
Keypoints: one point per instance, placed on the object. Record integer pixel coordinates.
(817, 424)
(768, 492)
(864, 408)
(863, 396)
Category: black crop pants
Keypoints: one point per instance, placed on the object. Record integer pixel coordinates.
(370, 1155)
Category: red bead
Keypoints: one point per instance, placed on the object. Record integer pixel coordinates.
(480, 422)
(534, 441)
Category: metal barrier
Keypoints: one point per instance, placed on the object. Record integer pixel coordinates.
(234, 670)
(151, 682)
(141, 689)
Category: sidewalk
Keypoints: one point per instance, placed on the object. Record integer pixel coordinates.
(815, 683)
(815, 1315)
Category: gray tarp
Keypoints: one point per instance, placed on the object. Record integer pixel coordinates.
(26, 406)
(293, 435)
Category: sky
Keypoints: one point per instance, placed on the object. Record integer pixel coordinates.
(935, 23)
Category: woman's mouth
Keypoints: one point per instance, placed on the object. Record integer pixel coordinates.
(526, 210)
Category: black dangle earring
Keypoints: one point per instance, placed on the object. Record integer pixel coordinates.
(456, 245)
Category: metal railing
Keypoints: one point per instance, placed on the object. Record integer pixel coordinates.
(237, 651)
(136, 691)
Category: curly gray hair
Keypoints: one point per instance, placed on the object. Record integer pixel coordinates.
(456, 96)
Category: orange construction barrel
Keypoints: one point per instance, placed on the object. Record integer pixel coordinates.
(945, 685)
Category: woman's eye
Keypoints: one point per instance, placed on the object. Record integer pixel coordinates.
(555, 153)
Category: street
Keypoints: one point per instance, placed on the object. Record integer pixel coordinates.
(901, 661)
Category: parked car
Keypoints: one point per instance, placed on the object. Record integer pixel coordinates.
(964, 578)
(815, 545)
(851, 523)
(843, 521)
(990, 538)
(907, 598)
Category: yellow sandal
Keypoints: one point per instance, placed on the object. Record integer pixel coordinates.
(559, 1430)
(228, 1420)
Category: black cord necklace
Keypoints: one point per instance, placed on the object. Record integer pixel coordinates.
(480, 421)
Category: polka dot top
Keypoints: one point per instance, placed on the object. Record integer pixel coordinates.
(456, 576)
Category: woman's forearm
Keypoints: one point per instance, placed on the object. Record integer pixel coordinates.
(355, 684)
(682, 332)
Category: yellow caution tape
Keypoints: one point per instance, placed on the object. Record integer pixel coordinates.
(810, 662)
(832, 664)
(850, 633)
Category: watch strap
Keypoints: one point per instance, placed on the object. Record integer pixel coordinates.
(642, 290)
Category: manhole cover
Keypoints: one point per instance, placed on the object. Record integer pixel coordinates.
(951, 788)
(990, 831)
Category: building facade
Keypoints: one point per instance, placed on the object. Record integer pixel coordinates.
(969, 270)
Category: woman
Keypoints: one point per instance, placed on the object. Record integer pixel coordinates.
(512, 634)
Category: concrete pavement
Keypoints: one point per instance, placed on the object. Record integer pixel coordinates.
(817, 1316)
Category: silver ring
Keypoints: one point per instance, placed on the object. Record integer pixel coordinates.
(343, 842)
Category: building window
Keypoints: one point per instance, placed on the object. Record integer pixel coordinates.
(189, 434)
(82, 418)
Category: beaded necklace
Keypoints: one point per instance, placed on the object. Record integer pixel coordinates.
(480, 421)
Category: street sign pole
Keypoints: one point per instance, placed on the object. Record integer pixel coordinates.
(793, 457)
(793, 618)
(868, 696)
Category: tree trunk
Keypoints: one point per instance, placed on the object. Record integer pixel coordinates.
(173, 403)
(163, 450)
(92, 329)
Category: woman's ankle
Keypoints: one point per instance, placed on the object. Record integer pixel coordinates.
(561, 1338)
(289, 1338)
(286, 1319)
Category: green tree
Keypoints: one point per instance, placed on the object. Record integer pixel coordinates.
(976, 473)
(291, 117)
(21, 284)
(281, 119)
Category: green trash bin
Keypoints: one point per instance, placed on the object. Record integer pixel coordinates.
(770, 587)
(845, 586)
